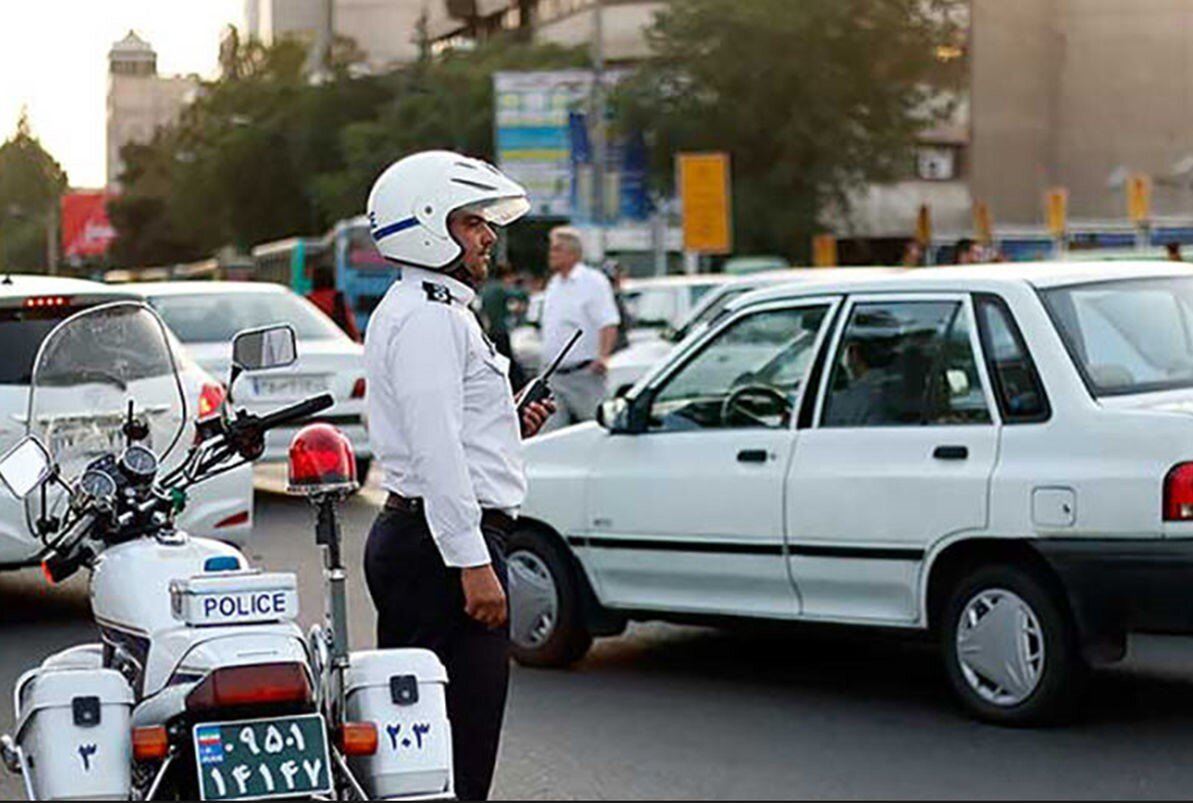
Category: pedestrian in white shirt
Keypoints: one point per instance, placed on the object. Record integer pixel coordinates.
(444, 427)
(577, 297)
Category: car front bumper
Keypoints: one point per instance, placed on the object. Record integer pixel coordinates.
(1124, 586)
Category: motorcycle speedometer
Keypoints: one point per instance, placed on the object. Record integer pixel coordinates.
(98, 485)
(138, 462)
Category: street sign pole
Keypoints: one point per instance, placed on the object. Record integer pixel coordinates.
(1056, 205)
(1139, 208)
(600, 143)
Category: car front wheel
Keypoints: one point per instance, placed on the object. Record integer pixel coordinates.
(1010, 648)
(546, 623)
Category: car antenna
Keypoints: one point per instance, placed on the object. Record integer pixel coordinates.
(7, 278)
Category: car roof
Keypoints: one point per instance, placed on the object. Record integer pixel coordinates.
(675, 281)
(22, 285)
(966, 278)
(203, 288)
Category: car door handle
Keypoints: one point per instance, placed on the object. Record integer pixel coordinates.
(751, 456)
(951, 453)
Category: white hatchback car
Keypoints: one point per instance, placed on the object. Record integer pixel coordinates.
(30, 307)
(998, 455)
(206, 315)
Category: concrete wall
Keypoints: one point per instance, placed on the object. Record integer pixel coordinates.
(385, 29)
(623, 26)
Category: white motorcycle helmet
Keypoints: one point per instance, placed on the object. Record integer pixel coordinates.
(410, 202)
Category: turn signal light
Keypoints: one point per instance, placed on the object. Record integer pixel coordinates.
(150, 744)
(1178, 493)
(358, 389)
(256, 684)
(358, 739)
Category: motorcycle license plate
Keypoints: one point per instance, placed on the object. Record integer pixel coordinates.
(263, 759)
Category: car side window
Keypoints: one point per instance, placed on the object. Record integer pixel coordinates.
(1017, 386)
(748, 376)
(905, 363)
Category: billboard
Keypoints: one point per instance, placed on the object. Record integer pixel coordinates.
(86, 231)
(543, 137)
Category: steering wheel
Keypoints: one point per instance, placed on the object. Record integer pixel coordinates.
(732, 404)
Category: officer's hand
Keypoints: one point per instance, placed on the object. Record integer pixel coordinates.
(484, 599)
(535, 415)
(599, 366)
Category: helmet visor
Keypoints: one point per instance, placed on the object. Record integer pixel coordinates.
(500, 211)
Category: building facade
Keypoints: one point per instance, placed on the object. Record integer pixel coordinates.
(139, 100)
(1080, 94)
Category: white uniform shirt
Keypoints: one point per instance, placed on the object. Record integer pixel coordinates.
(442, 420)
(584, 300)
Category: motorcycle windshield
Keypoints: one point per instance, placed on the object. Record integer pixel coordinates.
(88, 372)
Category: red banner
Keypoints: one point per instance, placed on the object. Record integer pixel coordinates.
(85, 227)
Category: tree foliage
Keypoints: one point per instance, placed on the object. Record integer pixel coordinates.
(263, 153)
(31, 182)
(811, 99)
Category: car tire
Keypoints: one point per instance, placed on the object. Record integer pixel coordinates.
(546, 618)
(1022, 667)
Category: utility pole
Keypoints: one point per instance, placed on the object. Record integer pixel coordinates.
(600, 135)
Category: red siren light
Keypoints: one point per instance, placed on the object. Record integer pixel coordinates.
(321, 461)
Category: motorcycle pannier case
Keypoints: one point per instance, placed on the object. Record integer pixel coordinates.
(73, 733)
(401, 691)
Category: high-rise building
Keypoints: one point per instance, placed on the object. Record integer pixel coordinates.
(385, 30)
(139, 100)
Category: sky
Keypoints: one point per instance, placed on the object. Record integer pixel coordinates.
(54, 61)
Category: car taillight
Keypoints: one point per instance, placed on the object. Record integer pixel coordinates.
(358, 739)
(358, 389)
(150, 744)
(256, 684)
(210, 399)
(235, 520)
(1178, 493)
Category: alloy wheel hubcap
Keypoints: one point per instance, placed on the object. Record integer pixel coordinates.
(1000, 646)
(534, 600)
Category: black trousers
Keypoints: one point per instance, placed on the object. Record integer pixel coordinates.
(420, 603)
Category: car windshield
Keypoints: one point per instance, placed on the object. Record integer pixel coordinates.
(22, 331)
(711, 310)
(217, 317)
(1130, 336)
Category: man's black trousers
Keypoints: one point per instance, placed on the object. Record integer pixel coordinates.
(420, 603)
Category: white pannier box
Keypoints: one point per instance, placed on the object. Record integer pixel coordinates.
(401, 691)
(235, 598)
(73, 733)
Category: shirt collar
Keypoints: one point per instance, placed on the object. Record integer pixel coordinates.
(576, 270)
(461, 292)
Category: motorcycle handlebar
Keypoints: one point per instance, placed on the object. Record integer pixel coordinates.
(296, 411)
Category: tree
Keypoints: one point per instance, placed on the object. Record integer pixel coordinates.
(31, 184)
(811, 99)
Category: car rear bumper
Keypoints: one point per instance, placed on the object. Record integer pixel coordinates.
(1123, 586)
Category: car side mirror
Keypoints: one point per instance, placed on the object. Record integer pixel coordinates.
(612, 414)
(25, 467)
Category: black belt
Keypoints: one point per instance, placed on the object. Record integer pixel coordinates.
(571, 369)
(495, 519)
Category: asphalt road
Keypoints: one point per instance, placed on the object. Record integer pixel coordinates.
(670, 712)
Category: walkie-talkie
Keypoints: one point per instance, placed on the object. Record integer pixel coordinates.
(539, 388)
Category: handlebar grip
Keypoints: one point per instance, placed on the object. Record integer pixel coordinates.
(294, 412)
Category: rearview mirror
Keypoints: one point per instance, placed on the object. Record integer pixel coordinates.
(24, 467)
(261, 349)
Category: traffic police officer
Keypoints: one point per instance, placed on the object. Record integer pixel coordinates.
(445, 430)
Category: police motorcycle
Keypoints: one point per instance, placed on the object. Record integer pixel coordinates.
(204, 686)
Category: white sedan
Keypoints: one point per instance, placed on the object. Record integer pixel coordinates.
(206, 315)
(1000, 456)
(30, 307)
